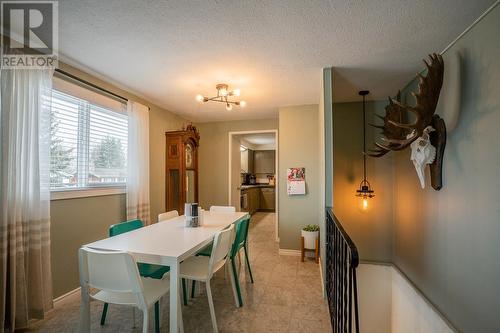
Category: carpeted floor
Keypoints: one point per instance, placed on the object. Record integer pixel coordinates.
(286, 296)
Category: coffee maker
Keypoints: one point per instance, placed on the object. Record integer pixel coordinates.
(246, 178)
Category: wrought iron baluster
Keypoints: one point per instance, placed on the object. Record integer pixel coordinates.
(341, 285)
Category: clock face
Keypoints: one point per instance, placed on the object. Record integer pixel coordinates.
(189, 156)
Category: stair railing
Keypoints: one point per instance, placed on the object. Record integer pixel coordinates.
(341, 286)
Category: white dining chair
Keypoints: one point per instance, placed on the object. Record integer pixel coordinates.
(201, 268)
(223, 209)
(116, 276)
(167, 215)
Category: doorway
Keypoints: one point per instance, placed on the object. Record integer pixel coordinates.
(253, 172)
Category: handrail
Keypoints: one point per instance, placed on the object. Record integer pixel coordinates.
(350, 243)
(341, 286)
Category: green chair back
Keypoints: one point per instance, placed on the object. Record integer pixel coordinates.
(123, 227)
(241, 236)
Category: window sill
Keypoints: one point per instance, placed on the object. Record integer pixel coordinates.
(86, 192)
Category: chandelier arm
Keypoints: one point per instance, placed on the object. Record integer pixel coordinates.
(213, 99)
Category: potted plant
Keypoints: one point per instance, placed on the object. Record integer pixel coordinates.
(310, 233)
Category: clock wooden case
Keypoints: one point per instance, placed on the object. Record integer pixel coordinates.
(181, 168)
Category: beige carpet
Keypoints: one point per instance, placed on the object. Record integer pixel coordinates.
(286, 297)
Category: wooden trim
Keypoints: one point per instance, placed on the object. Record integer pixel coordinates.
(302, 249)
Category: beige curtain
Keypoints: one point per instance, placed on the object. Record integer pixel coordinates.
(25, 272)
(138, 162)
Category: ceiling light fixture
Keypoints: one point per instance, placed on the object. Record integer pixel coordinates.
(223, 93)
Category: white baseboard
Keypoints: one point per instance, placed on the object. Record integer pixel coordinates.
(322, 279)
(287, 252)
(59, 300)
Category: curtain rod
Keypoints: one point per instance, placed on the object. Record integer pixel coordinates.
(73, 77)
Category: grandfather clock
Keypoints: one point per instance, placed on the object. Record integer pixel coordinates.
(181, 168)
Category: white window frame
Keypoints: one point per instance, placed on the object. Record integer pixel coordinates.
(84, 192)
(89, 190)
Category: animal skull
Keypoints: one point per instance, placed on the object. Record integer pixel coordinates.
(422, 153)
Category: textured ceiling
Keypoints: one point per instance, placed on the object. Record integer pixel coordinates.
(169, 51)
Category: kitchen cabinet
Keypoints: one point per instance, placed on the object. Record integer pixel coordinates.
(252, 199)
(264, 161)
(267, 199)
(258, 199)
(247, 161)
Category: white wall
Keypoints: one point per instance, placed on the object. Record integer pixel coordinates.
(388, 302)
(374, 295)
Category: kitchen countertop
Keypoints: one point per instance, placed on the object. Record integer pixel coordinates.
(245, 187)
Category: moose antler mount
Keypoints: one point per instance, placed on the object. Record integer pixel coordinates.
(426, 136)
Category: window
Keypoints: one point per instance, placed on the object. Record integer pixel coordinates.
(88, 142)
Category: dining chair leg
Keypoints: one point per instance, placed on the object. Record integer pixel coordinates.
(104, 312)
(145, 320)
(248, 264)
(157, 317)
(211, 306)
(184, 292)
(193, 288)
(236, 282)
(233, 287)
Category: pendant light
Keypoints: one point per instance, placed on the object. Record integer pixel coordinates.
(364, 191)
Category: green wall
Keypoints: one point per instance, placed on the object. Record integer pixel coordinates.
(75, 222)
(448, 242)
(299, 128)
(371, 230)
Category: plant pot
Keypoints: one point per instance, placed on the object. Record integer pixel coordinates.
(309, 239)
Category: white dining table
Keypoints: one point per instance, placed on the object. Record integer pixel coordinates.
(165, 243)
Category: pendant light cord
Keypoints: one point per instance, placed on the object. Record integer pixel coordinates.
(364, 140)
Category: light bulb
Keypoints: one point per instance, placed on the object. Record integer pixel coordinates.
(243, 104)
(365, 203)
(223, 92)
(199, 98)
(236, 92)
(229, 107)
